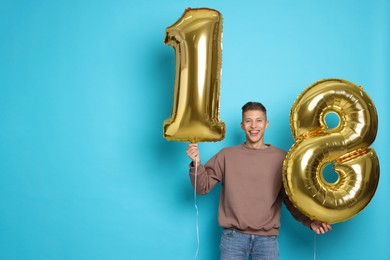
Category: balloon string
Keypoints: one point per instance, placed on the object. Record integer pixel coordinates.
(315, 246)
(196, 208)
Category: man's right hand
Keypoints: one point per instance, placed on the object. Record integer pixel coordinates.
(193, 153)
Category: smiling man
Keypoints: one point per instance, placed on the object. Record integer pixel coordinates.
(252, 191)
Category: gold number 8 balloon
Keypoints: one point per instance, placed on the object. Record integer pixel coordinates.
(346, 145)
(196, 38)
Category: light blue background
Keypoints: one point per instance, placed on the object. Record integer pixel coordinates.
(86, 85)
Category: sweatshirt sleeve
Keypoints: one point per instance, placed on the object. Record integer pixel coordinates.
(208, 175)
(294, 211)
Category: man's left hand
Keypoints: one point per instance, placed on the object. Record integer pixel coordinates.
(320, 227)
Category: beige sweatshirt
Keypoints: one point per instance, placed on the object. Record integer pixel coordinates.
(252, 189)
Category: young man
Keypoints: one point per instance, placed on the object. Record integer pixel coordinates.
(252, 191)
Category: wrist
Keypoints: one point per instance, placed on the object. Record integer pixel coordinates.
(193, 163)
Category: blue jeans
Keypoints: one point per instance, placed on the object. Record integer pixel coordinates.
(239, 246)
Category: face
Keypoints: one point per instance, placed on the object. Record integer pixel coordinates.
(254, 123)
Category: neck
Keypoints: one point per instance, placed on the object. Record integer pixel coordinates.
(255, 145)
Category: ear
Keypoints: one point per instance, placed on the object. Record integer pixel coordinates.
(241, 125)
(266, 126)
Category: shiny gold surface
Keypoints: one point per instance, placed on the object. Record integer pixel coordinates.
(346, 145)
(197, 40)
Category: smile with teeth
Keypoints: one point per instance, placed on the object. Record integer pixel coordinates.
(254, 132)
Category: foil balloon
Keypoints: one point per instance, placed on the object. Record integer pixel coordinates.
(197, 40)
(346, 146)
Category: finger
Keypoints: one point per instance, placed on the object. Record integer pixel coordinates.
(192, 145)
(194, 154)
(326, 227)
(191, 150)
(318, 228)
(318, 231)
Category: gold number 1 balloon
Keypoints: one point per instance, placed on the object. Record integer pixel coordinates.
(346, 146)
(196, 38)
